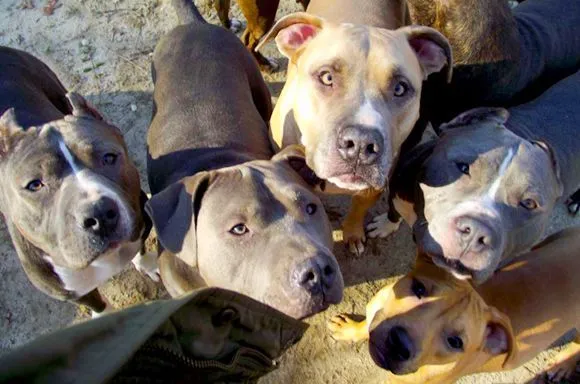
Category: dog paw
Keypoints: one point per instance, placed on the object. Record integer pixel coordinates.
(381, 226)
(108, 309)
(147, 265)
(343, 328)
(354, 238)
(236, 25)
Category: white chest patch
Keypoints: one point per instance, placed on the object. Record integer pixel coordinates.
(83, 281)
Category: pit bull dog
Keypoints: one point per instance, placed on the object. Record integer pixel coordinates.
(226, 215)
(260, 15)
(352, 93)
(501, 57)
(430, 327)
(70, 195)
(484, 191)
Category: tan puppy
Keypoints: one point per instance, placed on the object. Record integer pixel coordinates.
(431, 327)
(352, 93)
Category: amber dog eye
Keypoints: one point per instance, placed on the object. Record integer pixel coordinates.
(418, 289)
(400, 89)
(529, 204)
(311, 209)
(239, 229)
(34, 185)
(325, 78)
(455, 342)
(110, 159)
(463, 168)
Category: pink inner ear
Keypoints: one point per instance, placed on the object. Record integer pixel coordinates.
(431, 55)
(296, 35)
(496, 339)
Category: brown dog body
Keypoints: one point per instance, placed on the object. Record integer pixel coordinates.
(431, 327)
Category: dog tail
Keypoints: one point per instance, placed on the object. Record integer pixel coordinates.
(187, 12)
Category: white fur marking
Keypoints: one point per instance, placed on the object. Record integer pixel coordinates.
(348, 186)
(84, 280)
(492, 191)
(368, 115)
(381, 226)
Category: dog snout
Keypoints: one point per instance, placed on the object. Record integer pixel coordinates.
(475, 235)
(316, 275)
(360, 144)
(399, 346)
(100, 217)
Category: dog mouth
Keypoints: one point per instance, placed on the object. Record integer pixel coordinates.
(455, 267)
(350, 181)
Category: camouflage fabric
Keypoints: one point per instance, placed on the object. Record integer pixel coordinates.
(209, 335)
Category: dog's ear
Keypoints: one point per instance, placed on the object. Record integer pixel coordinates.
(292, 32)
(476, 115)
(9, 130)
(553, 162)
(295, 157)
(432, 49)
(499, 337)
(81, 107)
(174, 214)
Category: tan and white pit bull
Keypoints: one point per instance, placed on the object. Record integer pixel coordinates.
(430, 327)
(352, 93)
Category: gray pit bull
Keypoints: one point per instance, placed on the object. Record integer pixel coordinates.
(484, 191)
(352, 93)
(226, 215)
(70, 195)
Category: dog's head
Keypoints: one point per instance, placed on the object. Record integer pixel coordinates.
(256, 228)
(69, 186)
(354, 92)
(487, 194)
(434, 325)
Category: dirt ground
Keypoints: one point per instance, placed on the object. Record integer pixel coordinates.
(102, 49)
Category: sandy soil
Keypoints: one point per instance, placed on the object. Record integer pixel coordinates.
(103, 50)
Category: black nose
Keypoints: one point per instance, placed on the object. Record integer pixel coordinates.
(101, 217)
(360, 144)
(399, 345)
(475, 235)
(315, 274)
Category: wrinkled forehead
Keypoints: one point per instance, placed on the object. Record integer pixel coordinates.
(373, 54)
(477, 140)
(256, 190)
(62, 139)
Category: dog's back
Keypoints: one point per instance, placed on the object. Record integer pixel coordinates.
(195, 67)
(31, 88)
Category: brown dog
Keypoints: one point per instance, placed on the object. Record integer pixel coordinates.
(260, 15)
(352, 93)
(431, 327)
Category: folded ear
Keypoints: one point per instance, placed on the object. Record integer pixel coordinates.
(475, 115)
(174, 214)
(292, 32)
(499, 337)
(81, 107)
(432, 49)
(9, 128)
(295, 157)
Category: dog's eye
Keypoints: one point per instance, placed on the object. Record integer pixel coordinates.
(400, 89)
(34, 185)
(418, 289)
(239, 229)
(110, 158)
(455, 342)
(325, 78)
(311, 208)
(463, 167)
(529, 204)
